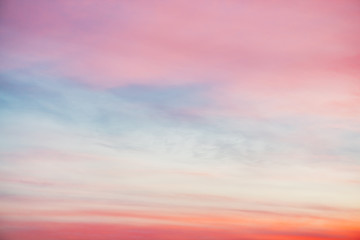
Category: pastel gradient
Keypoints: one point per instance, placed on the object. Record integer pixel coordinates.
(179, 120)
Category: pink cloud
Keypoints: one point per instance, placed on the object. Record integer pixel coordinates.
(143, 41)
(293, 58)
(276, 53)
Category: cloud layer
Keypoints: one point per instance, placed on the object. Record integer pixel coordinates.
(179, 120)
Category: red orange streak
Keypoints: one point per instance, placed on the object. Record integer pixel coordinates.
(250, 219)
(81, 231)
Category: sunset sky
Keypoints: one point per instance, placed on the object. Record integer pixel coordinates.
(179, 120)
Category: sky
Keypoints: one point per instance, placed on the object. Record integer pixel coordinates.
(179, 120)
